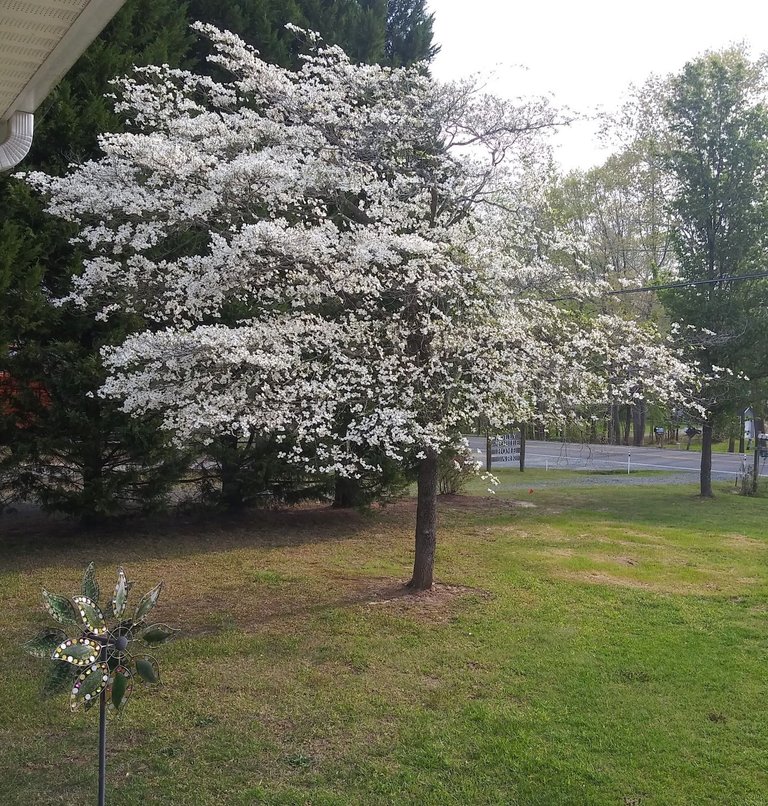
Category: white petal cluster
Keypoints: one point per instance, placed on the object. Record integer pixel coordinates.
(345, 257)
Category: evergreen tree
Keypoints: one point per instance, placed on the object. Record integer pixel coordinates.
(64, 446)
(409, 36)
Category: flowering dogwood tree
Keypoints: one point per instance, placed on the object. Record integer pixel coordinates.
(344, 257)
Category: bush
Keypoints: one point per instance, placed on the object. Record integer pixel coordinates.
(455, 468)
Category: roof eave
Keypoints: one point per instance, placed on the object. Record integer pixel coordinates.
(88, 25)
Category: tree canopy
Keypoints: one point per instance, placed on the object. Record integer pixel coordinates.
(319, 257)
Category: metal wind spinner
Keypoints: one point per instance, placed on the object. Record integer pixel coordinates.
(101, 663)
(101, 658)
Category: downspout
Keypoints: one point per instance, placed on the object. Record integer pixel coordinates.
(18, 140)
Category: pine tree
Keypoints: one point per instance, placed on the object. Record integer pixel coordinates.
(64, 446)
(409, 36)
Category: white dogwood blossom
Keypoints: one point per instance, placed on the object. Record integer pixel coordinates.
(347, 256)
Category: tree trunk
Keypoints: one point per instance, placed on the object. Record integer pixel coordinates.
(522, 447)
(426, 523)
(638, 424)
(232, 492)
(615, 425)
(347, 493)
(705, 479)
(755, 470)
(627, 424)
(92, 503)
(741, 432)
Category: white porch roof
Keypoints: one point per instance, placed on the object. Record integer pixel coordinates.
(39, 41)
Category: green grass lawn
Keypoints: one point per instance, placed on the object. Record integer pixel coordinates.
(593, 645)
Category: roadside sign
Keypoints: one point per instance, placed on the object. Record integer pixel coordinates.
(505, 448)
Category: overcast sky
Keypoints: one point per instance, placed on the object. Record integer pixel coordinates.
(586, 52)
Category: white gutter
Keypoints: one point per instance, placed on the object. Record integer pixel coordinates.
(19, 116)
(18, 140)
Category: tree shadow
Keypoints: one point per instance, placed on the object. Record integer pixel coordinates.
(30, 539)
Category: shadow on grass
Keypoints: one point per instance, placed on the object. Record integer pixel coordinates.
(30, 538)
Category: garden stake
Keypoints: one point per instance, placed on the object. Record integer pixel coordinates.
(102, 747)
(98, 661)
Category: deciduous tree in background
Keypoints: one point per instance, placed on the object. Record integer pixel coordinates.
(717, 123)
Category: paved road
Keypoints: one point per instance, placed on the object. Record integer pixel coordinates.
(577, 456)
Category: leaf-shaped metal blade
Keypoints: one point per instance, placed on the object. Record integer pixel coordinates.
(90, 586)
(43, 644)
(88, 685)
(148, 601)
(157, 634)
(59, 677)
(90, 615)
(120, 597)
(60, 608)
(119, 688)
(147, 669)
(77, 651)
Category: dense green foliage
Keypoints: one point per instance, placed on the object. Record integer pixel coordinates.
(64, 446)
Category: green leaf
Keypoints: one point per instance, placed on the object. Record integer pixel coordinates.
(147, 668)
(78, 651)
(90, 615)
(60, 608)
(90, 586)
(89, 685)
(59, 676)
(119, 688)
(43, 644)
(120, 597)
(148, 601)
(158, 634)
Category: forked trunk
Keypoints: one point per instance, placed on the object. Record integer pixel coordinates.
(426, 523)
(706, 461)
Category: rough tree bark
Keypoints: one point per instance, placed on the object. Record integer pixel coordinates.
(705, 478)
(426, 523)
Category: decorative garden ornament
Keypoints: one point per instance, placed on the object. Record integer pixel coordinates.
(102, 662)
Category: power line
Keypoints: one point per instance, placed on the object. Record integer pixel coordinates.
(682, 284)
